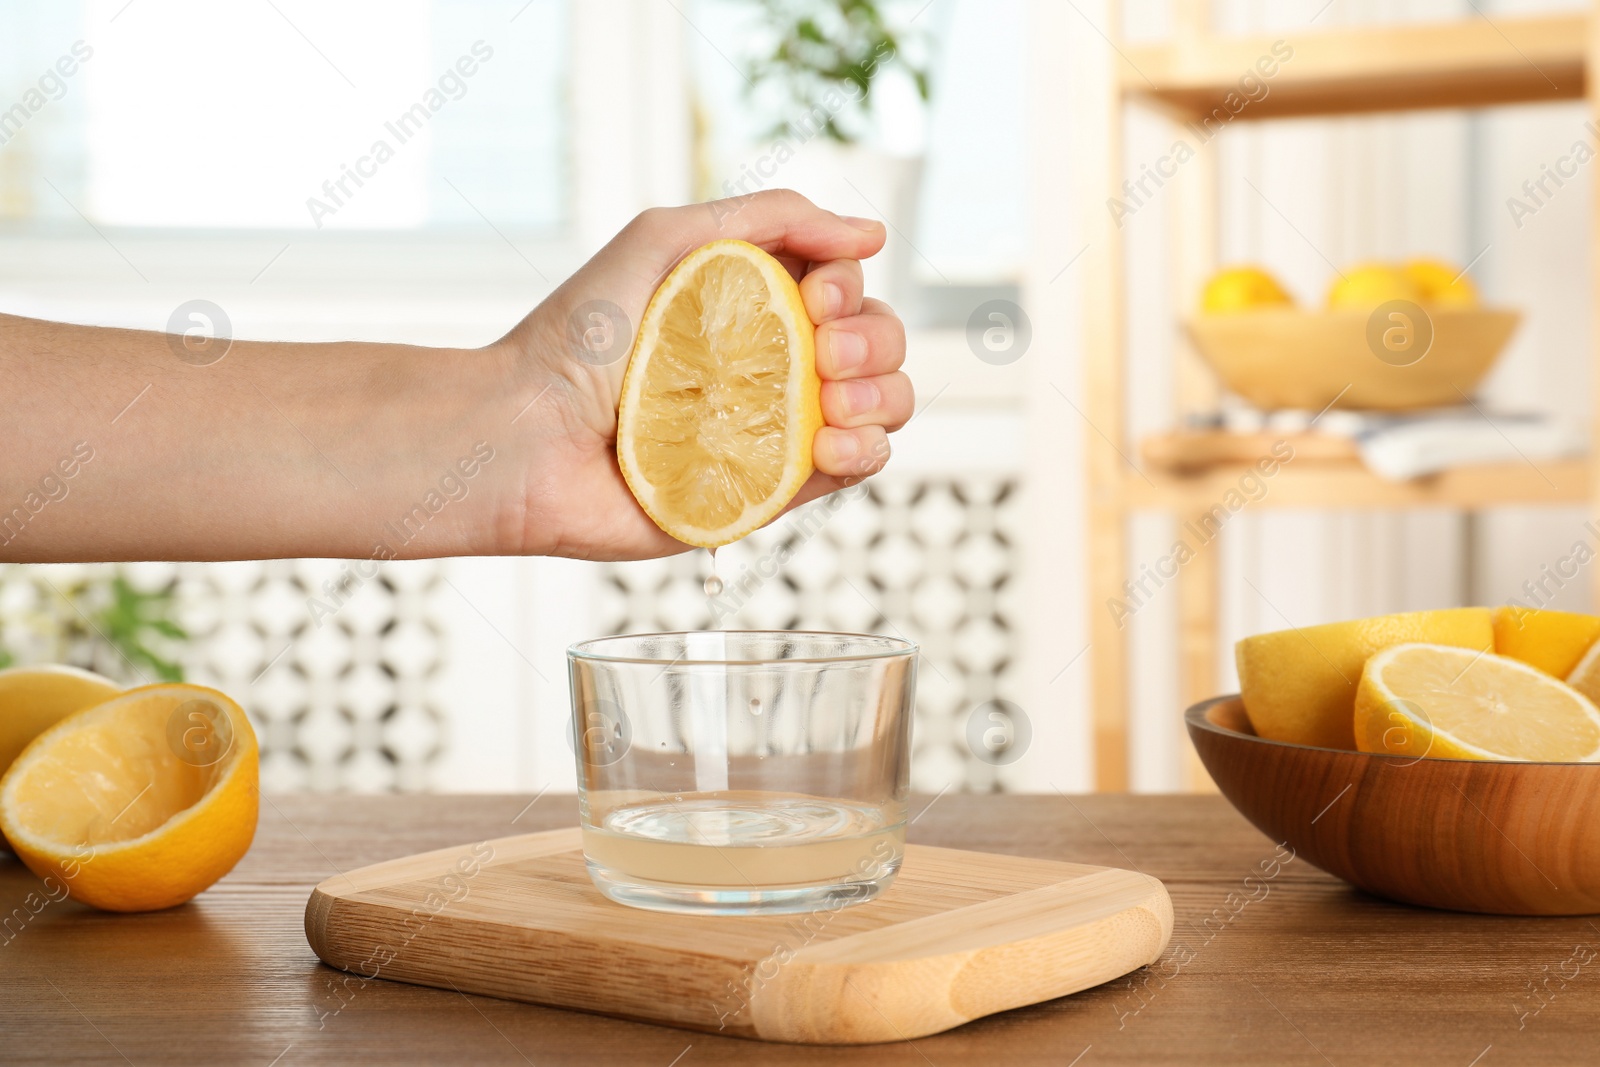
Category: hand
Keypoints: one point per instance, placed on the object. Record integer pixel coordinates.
(575, 501)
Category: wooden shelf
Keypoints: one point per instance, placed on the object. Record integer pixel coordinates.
(1347, 484)
(1471, 63)
(1474, 62)
(1184, 453)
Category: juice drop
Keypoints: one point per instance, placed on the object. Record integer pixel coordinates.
(713, 584)
(755, 705)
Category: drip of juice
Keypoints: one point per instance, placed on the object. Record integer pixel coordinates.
(713, 584)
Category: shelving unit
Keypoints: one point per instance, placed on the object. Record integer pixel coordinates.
(1476, 63)
(1467, 64)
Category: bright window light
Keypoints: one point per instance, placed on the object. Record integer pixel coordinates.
(288, 114)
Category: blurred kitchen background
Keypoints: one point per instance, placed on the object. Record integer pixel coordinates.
(176, 163)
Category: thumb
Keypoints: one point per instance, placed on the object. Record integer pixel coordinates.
(779, 221)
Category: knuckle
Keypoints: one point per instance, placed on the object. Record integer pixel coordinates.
(894, 332)
(652, 221)
(784, 197)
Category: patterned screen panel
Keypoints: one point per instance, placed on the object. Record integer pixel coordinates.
(337, 670)
(342, 670)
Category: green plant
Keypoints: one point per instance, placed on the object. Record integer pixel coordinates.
(133, 619)
(828, 55)
(105, 623)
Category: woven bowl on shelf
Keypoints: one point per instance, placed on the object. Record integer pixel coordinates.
(1286, 358)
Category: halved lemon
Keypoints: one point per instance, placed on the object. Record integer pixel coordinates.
(139, 803)
(1585, 677)
(1300, 685)
(1437, 700)
(33, 699)
(1553, 641)
(721, 399)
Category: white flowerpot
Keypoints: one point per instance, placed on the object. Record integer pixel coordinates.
(857, 180)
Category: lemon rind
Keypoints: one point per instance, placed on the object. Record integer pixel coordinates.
(66, 669)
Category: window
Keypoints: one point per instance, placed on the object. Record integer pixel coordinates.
(966, 218)
(396, 115)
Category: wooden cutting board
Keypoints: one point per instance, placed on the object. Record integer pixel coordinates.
(957, 936)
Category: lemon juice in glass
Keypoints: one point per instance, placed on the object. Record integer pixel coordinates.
(739, 772)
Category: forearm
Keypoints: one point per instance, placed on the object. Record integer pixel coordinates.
(116, 449)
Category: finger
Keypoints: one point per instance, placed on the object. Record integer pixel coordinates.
(832, 290)
(818, 485)
(885, 401)
(781, 221)
(850, 453)
(862, 346)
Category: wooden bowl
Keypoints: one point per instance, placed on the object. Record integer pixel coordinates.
(1284, 358)
(1467, 835)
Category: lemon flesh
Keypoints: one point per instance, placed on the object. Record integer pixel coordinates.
(1585, 675)
(1300, 685)
(138, 803)
(1436, 700)
(721, 400)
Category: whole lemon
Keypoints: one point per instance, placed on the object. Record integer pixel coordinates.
(1441, 283)
(1245, 288)
(1364, 287)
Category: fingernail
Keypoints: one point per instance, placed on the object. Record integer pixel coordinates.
(849, 350)
(860, 396)
(832, 300)
(870, 225)
(845, 446)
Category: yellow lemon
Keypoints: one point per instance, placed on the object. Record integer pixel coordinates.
(1300, 685)
(1441, 283)
(1242, 289)
(1453, 703)
(1585, 674)
(1553, 641)
(33, 699)
(1364, 287)
(721, 399)
(138, 803)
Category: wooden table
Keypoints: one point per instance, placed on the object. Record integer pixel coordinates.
(1272, 962)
